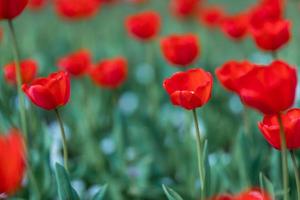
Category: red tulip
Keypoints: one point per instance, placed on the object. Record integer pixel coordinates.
(184, 8)
(76, 63)
(51, 92)
(269, 89)
(190, 89)
(144, 25)
(36, 4)
(110, 73)
(12, 162)
(77, 9)
(253, 194)
(222, 197)
(211, 16)
(270, 129)
(28, 71)
(272, 36)
(230, 73)
(235, 27)
(9, 9)
(180, 50)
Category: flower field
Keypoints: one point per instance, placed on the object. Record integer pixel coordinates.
(149, 99)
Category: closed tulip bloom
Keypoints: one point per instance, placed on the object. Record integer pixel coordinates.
(273, 35)
(50, 92)
(12, 162)
(253, 194)
(270, 129)
(144, 25)
(190, 89)
(222, 197)
(230, 73)
(184, 8)
(29, 69)
(235, 27)
(76, 63)
(269, 89)
(9, 9)
(180, 50)
(110, 73)
(211, 16)
(77, 9)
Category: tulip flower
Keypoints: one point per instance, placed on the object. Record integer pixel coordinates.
(269, 89)
(236, 26)
(253, 194)
(184, 8)
(273, 35)
(211, 16)
(28, 71)
(110, 73)
(222, 197)
(76, 63)
(12, 162)
(180, 50)
(77, 9)
(9, 9)
(230, 73)
(144, 25)
(36, 4)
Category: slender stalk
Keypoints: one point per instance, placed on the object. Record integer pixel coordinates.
(284, 159)
(64, 139)
(246, 121)
(293, 155)
(201, 167)
(274, 55)
(19, 78)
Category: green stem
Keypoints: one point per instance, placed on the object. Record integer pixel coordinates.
(284, 158)
(201, 167)
(293, 155)
(246, 121)
(19, 78)
(63, 136)
(274, 55)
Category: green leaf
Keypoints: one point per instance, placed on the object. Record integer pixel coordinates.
(65, 190)
(171, 194)
(266, 184)
(101, 193)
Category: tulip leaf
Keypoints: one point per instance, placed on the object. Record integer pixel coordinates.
(65, 190)
(265, 183)
(101, 193)
(171, 194)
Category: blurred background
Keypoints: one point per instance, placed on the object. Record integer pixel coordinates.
(132, 138)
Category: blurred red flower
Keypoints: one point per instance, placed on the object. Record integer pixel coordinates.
(51, 92)
(236, 26)
(273, 35)
(211, 16)
(1, 33)
(12, 161)
(180, 50)
(144, 25)
(230, 73)
(184, 8)
(253, 194)
(36, 4)
(190, 89)
(29, 69)
(222, 197)
(269, 89)
(10, 9)
(77, 9)
(76, 63)
(270, 129)
(110, 73)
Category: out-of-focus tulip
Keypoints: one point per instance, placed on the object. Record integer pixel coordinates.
(51, 92)
(144, 25)
(236, 26)
(190, 89)
(211, 16)
(180, 50)
(12, 162)
(184, 8)
(29, 69)
(253, 194)
(222, 197)
(9, 9)
(110, 73)
(269, 89)
(37, 4)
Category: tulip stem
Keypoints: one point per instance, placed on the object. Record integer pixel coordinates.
(199, 156)
(19, 78)
(63, 136)
(293, 155)
(284, 158)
